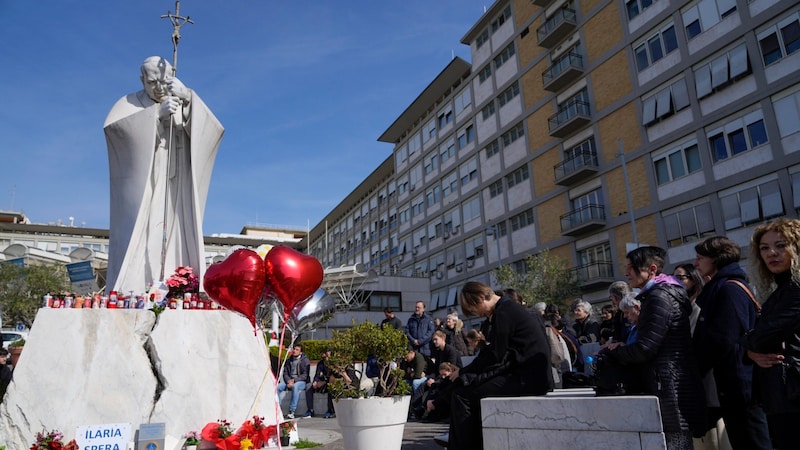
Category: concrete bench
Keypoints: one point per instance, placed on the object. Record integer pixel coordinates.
(572, 419)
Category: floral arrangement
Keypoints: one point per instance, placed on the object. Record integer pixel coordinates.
(52, 440)
(256, 432)
(192, 438)
(183, 281)
(253, 434)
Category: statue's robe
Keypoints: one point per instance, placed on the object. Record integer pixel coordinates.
(156, 165)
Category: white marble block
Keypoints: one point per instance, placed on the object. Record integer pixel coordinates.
(187, 368)
(571, 420)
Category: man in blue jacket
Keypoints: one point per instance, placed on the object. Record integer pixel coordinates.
(419, 330)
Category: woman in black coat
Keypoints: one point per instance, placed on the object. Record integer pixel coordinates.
(662, 353)
(774, 344)
(727, 313)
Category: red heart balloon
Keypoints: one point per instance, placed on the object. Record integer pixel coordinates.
(291, 276)
(237, 282)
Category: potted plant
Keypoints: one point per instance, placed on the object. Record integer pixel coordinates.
(192, 440)
(15, 350)
(286, 431)
(376, 421)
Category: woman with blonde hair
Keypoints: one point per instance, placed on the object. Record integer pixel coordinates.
(454, 331)
(774, 343)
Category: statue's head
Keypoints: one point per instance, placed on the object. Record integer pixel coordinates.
(156, 71)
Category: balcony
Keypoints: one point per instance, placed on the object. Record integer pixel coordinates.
(564, 71)
(577, 168)
(593, 275)
(556, 27)
(571, 116)
(582, 220)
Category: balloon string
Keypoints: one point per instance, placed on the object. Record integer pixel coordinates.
(257, 399)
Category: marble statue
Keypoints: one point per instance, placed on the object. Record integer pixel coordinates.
(162, 142)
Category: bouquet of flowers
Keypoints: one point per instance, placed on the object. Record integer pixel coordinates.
(257, 432)
(192, 438)
(52, 440)
(222, 435)
(181, 282)
(287, 427)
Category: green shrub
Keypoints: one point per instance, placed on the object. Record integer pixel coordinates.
(312, 348)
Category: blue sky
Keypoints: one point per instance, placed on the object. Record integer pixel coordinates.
(303, 89)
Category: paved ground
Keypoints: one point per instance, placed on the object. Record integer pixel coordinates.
(416, 436)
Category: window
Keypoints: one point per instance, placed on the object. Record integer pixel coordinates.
(482, 38)
(522, 220)
(496, 188)
(433, 196)
(737, 136)
(504, 56)
(417, 206)
(595, 262)
(507, 95)
(518, 176)
(752, 204)
(485, 73)
(487, 111)
(431, 162)
(635, 7)
(402, 184)
(677, 162)
(705, 14)
(468, 171)
(445, 116)
(501, 19)
(452, 220)
(430, 130)
(513, 134)
(796, 191)
(665, 103)
(414, 144)
(466, 136)
(402, 154)
(377, 301)
(689, 224)
(780, 40)
(471, 209)
(474, 247)
(492, 149)
(787, 111)
(463, 101)
(721, 71)
(502, 229)
(447, 150)
(450, 183)
(655, 47)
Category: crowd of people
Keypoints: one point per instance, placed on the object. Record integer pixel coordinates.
(698, 338)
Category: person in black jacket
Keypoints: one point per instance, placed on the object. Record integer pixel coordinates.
(774, 344)
(516, 362)
(662, 354)
(727, 312)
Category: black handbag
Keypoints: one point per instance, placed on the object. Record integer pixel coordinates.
(791, 379)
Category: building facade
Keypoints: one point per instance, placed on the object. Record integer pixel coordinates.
(584, 128)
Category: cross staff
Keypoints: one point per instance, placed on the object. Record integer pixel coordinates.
(177, 22)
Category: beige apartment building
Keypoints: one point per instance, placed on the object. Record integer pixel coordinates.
(584, 128)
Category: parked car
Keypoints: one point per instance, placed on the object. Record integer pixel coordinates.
(10, 336)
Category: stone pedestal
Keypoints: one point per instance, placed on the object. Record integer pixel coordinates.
(572, 419)
(184, 368)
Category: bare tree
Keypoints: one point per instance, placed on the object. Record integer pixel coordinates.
(546, 279)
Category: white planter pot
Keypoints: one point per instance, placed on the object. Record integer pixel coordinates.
(373, 423)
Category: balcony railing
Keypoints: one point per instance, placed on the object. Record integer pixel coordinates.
(594, 274)
(571, 116)
(583, 219)
(576, 168)
(564, 70)
(556, 27)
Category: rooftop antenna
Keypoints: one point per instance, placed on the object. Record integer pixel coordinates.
(177, 22)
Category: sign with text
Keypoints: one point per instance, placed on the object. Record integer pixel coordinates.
(151, 436)
(111, 436)
(81, 274)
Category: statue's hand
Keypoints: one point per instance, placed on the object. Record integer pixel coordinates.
(178, 89)
(169, 106)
